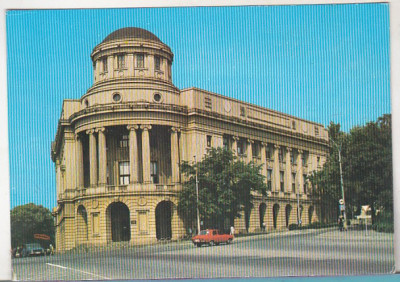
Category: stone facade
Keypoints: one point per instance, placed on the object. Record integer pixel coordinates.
(117, 149)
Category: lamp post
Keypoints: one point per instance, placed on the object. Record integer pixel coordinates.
(197, 199)
(341, 184)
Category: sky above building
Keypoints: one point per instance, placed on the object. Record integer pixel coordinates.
(321, 63)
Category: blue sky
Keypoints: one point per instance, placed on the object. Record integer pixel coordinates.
(321, 63)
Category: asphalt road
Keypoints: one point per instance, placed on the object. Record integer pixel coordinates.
(294, 253)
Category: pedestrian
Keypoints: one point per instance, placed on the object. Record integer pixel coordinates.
(51, 249)
(340, 222)
(232, 231)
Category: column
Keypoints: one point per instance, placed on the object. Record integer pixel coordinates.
(102, 156)
(110, 65)
(133, 154)
(79, 162)
(276, 184)
(146, 152)
(130, 64)
(174, 155)
(58, 178)
(92, 157)
(263, 160)
(300, 171)
(234, 144)
(288, 171)
(249, 151)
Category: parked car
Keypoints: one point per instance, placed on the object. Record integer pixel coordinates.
(211, 237)
(32, 249)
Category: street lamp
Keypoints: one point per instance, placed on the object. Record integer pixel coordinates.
(197, 199)
(341, 183)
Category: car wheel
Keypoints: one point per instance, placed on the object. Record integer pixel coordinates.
(229, 241)
(198, 245)
(216, 244)
(211, 243)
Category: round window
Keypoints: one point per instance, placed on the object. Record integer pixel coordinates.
(117, 97)
(157, 97)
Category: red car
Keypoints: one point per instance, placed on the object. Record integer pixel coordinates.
(211, 237)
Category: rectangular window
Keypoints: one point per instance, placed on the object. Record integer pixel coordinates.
(124, 141)
(255, 149)
(292, 158)
(157, 63)
(294, 125)
(316, 131)
(269, 179)
(207, 103)
(304, 159)
(105, 64)
(242, 111)
(240, 147)
(282, 178)
(208, 141)
(140, 61)
(124, 173)
(95, 223)
(225, 142)
(268, 153)
(154, 171)
(293, 182)
(305, 183)
(120, 61)
(281, 154)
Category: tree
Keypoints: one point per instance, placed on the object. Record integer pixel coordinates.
(368, 165)
(225, 185)
(30, 219)
(367, 169)
(326, 182)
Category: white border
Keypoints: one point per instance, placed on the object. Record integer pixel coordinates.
(5, 258)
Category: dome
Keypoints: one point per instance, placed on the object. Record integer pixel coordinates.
(131, 33)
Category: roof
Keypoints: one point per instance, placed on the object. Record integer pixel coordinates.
(131, 33)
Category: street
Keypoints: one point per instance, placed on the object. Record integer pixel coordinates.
(291, 253)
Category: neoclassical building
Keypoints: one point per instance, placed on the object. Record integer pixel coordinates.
(117, 149)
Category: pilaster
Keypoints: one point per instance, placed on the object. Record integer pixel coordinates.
(146, 152)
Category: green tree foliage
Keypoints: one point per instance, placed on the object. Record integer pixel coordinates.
(30, 219)
(367, 169)
(225, 188)
(368, 166)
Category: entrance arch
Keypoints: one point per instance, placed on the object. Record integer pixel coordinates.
(119, 221)
(288, 210)
(82, 225)
(262, 208)
(163, 220)
(275, 212)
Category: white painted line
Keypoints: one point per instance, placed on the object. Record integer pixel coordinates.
(77, 270)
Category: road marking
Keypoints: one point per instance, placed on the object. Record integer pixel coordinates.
(77, 270)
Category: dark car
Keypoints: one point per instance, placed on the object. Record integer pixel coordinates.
(32, 249)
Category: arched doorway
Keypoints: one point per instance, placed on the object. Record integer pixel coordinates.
(288, 210)
(310, 214)
(275, 212)
(82, 225)
(163, 220)
(262, 208)
(119, 216)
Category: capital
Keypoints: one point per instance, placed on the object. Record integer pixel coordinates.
(250, 141)
(277, 146)
(175, 129)
(235, 138)
(145, 127)
(90, 131)
(300, 151)
(132, 127)
(288, 149)
(100, 129)
(264, 144)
